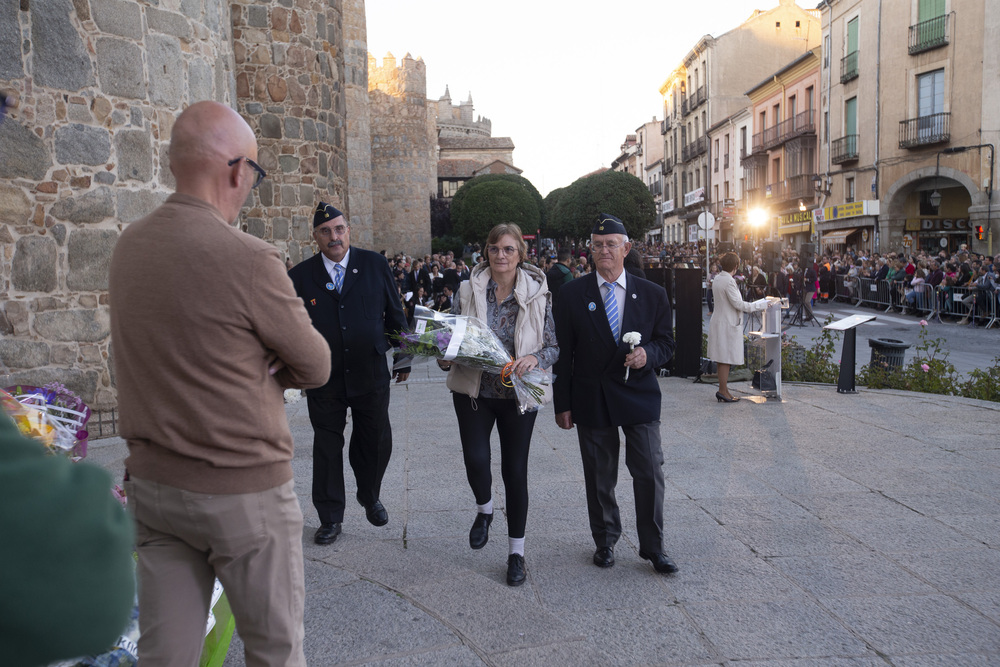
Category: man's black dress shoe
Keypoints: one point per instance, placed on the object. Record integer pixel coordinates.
(327, 533)
(480, 533)
(661, 562)
(377, 516)
(515, 570)
(604, 557)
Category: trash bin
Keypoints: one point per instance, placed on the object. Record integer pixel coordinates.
(888, 351)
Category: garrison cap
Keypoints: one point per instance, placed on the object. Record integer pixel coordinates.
(324, 213)
(608, 224)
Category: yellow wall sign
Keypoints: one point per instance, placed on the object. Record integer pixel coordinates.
(851, 210)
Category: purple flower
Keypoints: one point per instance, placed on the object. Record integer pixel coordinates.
(925, 367)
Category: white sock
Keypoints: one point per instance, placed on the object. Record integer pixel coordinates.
(515, 545)
(487, 508)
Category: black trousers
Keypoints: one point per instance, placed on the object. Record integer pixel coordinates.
(476, 418)
(369, 451)
(599, 448)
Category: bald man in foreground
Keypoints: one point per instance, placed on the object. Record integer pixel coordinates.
(207, 331)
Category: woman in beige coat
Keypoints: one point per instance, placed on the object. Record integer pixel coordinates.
(725, 331)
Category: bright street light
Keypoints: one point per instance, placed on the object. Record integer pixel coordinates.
(757, 217)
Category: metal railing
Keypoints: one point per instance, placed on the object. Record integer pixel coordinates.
(929, 34)
(930, 129)
(974, 305)
(664, 126)
(849, 67)
(844, 149)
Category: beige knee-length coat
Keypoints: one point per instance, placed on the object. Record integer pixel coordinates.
(725, 331)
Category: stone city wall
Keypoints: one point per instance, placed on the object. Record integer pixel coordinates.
(404, 165)
(96, 86)
(290, 88)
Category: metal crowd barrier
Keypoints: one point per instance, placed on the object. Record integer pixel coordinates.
(977, 306)
(974, 305)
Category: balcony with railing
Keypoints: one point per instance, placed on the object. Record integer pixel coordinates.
(801, 124)
(929, 34)
(655, 188)
(844, 149)
(698, 147)
(934, 128)
(685, 109)
(668, 165)
(664, 125)
(698, 98)
(849, 67)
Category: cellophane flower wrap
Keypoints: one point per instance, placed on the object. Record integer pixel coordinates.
(52, 415)
(467, 340)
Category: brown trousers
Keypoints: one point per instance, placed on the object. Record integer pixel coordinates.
(252, 542)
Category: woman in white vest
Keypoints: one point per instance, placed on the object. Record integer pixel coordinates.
(725, 330)
(512, 297)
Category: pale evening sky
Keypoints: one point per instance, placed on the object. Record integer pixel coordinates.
(565, 80)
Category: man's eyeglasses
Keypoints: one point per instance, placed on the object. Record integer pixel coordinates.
(261, 174)
(339, 230)
(601, 247)
(508, 251)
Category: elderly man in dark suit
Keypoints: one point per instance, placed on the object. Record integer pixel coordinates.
(351, 297)
(594, 320)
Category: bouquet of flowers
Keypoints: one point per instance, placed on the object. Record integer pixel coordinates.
(52, 414)
(468, 341)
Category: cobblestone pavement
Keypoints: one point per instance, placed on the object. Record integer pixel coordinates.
(826, 529)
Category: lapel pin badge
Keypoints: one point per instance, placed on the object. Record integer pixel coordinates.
(591, 306)
(354, 270)
(329, 286)
(312, 302)
(633, 296)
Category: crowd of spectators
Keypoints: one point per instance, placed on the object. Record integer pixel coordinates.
(959, 285)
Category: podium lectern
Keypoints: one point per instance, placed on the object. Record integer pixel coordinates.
(771, 336)
(849, 325)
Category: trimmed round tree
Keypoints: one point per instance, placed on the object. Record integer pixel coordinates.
(459, 198)
(489, 203)
(622, 195)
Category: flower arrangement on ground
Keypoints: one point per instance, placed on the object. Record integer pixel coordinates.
(468, 341)
(51, 414)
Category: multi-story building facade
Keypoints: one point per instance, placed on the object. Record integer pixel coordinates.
(782, 161)
(911, 121)
(729, 140)
(707, 87)
(628, 157)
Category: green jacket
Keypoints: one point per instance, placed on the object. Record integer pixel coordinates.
(67, 582)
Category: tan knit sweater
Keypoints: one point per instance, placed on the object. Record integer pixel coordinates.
(198, 311)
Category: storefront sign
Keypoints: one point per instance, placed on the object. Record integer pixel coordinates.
(797, 217)
(938, 225)
(667, 206)
(694, 196)
(852, 210)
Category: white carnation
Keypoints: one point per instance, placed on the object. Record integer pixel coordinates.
(633, 338)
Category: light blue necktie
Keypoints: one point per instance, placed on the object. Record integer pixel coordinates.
(611, 308)
(338, 277)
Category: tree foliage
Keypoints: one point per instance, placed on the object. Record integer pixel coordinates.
(622, 195)
(552, 201)
(487, 204)
(458, 201)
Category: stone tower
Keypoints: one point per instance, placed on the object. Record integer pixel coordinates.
(404, 166)
(95, 88)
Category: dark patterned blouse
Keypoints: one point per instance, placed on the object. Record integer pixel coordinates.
(501, 318)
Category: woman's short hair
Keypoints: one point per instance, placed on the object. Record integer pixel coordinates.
(729, 262)
(508, 229)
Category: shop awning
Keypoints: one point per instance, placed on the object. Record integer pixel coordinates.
(838, 236)
(794, 229)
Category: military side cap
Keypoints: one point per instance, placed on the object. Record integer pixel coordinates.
(324, 213)
(608, 224)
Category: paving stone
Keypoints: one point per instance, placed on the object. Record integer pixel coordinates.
(117, 17)
(985, 529)
(837, 575)
(795, 538)
(916, 624)
(119, 64)
(969, 571)
(59, 56)
(789, 628)
(82, 144)
(24, 154)
(891, 536)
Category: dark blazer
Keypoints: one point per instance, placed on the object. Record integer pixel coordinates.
(356, 323)
(590, 375)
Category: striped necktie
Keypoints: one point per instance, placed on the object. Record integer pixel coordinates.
(611, 308)
(338, 277)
